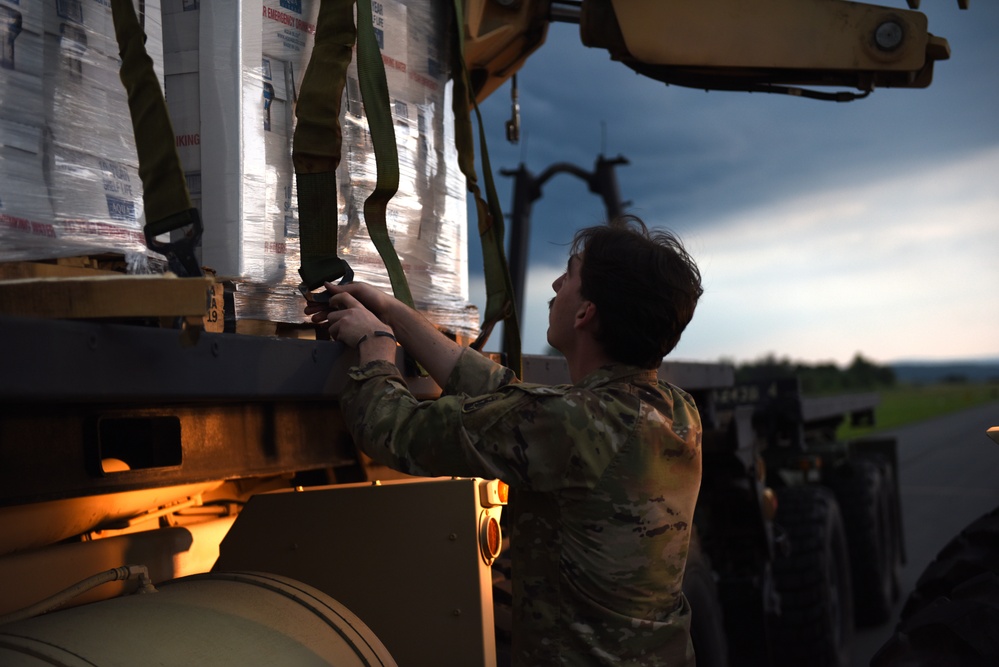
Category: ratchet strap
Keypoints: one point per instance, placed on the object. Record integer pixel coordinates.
(164, 190)
(499, 285)
(318, 144)
(374, 93)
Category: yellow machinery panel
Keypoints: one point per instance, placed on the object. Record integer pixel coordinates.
(409, 558)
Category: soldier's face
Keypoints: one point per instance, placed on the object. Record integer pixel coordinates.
(564, 305)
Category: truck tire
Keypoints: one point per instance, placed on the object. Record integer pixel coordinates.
(865, 490)
(974, 551)
(954, 631)
(950, 617)
(815, 625)
(707, 623)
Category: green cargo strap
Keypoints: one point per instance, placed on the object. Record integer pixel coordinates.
(318, 145)
(499, 285)
(165, 197)
(318, 140)
(374, 93)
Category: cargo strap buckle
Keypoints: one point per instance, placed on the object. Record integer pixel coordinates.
(324, 296)
(180, 252)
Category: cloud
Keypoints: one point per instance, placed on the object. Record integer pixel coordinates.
(901, 267)
(823, 229)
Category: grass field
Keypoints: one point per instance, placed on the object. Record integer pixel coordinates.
(907, 404)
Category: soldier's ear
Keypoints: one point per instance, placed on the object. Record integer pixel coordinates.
(586, 315)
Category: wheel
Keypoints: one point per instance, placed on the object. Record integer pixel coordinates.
(954, 631)
(974, 551)
(707, 623)
(896, 531)
(865, 490)
(815, 625)
(950, 619)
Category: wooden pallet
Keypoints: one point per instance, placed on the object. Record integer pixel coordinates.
(114, 295)
(64, 267)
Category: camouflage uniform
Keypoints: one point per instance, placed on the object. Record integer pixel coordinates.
(603, 479)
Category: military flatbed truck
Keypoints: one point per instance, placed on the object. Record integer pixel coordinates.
(193, 467)
(154, 467)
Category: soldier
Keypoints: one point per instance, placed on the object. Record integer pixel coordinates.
(603, 473)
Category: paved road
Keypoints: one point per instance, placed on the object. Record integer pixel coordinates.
(949, 476)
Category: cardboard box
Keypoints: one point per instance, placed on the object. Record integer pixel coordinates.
(230, 68)
(85, 103)
(21, 15)
(57, 202)
(25, 208)
(232, 93)
(96, 201)
(91, 23)
(67, 151)
(21, 62)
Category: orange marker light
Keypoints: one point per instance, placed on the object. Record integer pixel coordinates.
(493, 492)
(490, 538)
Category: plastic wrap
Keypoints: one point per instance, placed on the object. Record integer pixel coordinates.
(427, 216)
(231, 69)
(69, 182)
(236, 147)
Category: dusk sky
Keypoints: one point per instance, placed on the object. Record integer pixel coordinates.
(822, 230)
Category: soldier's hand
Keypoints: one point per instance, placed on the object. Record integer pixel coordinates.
(349, 321)
(369, 296)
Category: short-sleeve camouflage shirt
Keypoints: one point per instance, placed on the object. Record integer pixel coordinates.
(603, 478)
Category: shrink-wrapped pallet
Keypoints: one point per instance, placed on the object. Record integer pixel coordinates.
(69, 181)
(233, 71)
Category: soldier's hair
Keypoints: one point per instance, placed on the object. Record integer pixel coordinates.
(644, 285)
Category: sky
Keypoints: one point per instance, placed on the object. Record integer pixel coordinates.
(822, 230)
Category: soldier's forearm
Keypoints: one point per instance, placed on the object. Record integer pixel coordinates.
(437, 353)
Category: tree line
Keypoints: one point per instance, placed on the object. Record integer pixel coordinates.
(859, 375)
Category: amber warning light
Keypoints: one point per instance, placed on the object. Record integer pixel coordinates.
(493, 492)
(490, 538)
